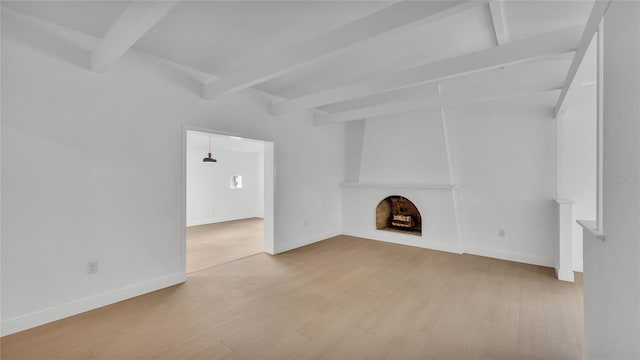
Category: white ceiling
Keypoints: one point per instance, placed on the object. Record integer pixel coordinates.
(459, 34)
(91, 17)
(219, 36)
(200, 142)
(222, 37)
(529, 18)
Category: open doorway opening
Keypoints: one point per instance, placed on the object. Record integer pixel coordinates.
(228, 187)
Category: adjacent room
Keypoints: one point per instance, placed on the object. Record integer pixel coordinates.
(313, 179)
(225, 199)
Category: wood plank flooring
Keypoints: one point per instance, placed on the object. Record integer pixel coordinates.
(214, 244)
(343, 298)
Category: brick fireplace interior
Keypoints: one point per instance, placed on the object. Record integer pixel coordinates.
(397, 213)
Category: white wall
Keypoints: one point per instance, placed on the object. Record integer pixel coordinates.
(405, 148)
(354, 137)
(503, 158)
(209, 196)
(91, 171)
(579, 146)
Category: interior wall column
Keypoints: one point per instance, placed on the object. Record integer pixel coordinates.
(599, 126)
(612, 266)
(564, 212)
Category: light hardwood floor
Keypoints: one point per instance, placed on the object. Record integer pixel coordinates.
(343, 298)
(214, 244)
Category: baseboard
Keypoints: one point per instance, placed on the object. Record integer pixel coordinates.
(578, 267)
(511, 256)
(425, 244)
(564, 274)
(219, 219)
(42, 317)
(280, 248)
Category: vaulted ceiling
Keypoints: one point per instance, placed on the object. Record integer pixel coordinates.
(348, 59)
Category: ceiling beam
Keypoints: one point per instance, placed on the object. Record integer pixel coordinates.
(513, 81)
(499, 25)
(431, 102)
(134, 22)
(571, 84)
(554, 43)
(400, 17)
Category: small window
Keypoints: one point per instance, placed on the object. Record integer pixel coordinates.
(236, 182)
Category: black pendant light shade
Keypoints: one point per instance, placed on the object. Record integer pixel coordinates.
(209, 159)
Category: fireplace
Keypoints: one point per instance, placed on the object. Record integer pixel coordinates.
(397, 213)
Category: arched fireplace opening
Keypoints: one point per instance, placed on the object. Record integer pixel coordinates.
(397, 213)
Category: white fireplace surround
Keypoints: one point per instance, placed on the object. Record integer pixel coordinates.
(436, 203)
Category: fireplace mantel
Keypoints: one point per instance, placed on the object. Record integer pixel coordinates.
(400, 186)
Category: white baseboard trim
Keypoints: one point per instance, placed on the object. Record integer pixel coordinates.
(420, 242)
(41, 317)
(433, 245)
(219, 219)
(511, 256)
(280, 248)
(578, 267)
(564, 274)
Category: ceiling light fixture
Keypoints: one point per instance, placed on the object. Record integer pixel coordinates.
(209, 159)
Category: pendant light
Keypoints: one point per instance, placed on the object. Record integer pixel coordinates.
(209, 159)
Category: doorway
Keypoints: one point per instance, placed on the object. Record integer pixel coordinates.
(227, 198)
